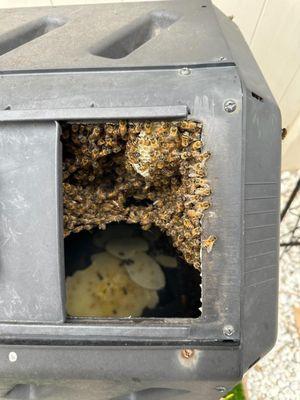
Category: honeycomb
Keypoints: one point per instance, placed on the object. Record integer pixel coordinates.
(151, 173)
(105, 289)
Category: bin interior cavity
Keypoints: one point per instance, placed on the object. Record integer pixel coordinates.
(125, 183)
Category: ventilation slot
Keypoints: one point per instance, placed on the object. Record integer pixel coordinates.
(153, 393)
(131, 37)
(28, 32)
(31, 391)
(257, 97)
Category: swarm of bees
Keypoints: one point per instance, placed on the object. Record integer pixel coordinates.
(151, 173)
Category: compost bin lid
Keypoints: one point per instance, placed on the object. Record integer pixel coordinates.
(107, 36)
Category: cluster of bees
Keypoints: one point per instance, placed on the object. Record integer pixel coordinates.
(147, 173)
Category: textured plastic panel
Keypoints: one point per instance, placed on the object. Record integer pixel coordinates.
(203, 93)
(142, 34)
(261, 224)
(261, 202)
(93, 373)
(30, 236)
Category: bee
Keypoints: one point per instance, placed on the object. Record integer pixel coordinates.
(110, 141)
(100, 142)
(95, 134)
(192, 213)
(147, 128)
(155, 144)
(197, 145)
(89, 129)
(81, 129)
(112, 194)
(78, 229)
(75, 139)
(85, 161)
(205, 156)
(84, 149)
(68, 188)
(180, 238)
(161, 129)
(201, 182)
(209, 243)
(107, 206)
(188, 125)
(117, 149)
(65, 134)
(145, 220)
(202, 206)
(196, 231)
(158, 203)
(179, 207)
(72, 168)
(122, 128)
(187, 223)
(78, 198)
(160, 164)
(197, 264)
(108, 129)
(185, 139)
(185, 155)
(75, 128)
(203, 191)
(105, 151)
(199, 170)
(72, 205)
(95, 154)
(143, 167)
(173, 132)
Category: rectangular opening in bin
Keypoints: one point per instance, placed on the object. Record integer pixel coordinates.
(134, 196)
(28, 32)
(125, 41)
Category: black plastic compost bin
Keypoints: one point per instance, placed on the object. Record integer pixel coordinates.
(143, 60)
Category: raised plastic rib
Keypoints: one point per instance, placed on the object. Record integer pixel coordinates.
(175, 111)
(132, 36)
(28, 32)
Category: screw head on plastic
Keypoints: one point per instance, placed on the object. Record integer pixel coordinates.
(230, 106)
(184, 71)
(12, 356)
(228, 330)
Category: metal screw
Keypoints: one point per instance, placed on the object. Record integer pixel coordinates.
(221, 389)
(12, 356)
(184, 71)
(230, 106)
(187, 353)
(228, 330)
(221, 58)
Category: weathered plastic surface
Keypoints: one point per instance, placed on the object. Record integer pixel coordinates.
(143, 35)
(31, 275)
(61, 63)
